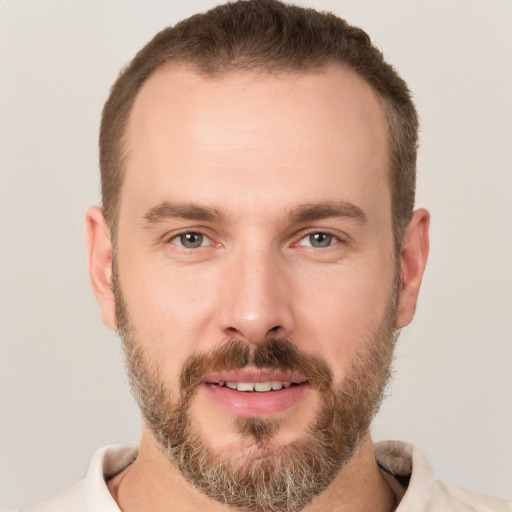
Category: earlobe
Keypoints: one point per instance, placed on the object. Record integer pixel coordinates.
(99, 249)
(413, 259)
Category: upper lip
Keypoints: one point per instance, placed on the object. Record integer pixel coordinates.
(254, 375)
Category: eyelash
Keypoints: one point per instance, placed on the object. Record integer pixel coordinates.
(173, 240)
(332, 240)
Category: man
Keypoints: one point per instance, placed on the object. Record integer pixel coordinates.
(257, 251)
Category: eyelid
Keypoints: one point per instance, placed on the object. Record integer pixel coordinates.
(339, 237)
(169, 238)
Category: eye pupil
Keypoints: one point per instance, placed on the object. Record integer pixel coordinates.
(191, 240)
(320, 239)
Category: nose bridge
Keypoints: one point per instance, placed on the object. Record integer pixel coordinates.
(255, 302)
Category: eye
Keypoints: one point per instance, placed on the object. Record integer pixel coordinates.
(190, 240)
(318, 239)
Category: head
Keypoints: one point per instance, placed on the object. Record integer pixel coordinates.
(257, 249)
(270, 36)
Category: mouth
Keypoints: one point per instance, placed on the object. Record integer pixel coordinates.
(258, 387)
(256, 393)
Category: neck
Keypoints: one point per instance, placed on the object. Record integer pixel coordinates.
(153, 484)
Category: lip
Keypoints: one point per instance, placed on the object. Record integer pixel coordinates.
(254, 375)
(255, 404)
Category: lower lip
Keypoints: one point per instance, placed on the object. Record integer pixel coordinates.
(251, 404)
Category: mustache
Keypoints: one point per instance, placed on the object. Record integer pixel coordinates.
(271, 354)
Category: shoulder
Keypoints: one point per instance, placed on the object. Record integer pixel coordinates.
(424, 493)
(446, 495)
(91, 493)
(72, 500)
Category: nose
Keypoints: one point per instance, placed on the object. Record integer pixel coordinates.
(256, 297)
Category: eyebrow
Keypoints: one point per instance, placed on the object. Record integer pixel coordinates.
(302, 213)
(169, 210)
(325, 210)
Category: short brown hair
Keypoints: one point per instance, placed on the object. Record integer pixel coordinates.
(271, 36)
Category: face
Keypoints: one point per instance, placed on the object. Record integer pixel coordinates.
(255, 271)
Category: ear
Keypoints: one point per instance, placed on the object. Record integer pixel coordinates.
(413, 258)
(99, 249)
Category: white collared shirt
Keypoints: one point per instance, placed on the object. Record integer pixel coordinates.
(424, 493)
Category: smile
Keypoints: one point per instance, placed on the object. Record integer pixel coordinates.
(260, 387)
(256, 393)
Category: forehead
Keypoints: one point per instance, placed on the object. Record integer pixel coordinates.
(265, 132)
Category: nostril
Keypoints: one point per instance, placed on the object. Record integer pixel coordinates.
(233, 332)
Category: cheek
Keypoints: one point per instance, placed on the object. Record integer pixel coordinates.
(171, 310)
(342, 315)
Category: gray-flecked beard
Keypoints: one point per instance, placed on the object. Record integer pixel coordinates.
(263, 476)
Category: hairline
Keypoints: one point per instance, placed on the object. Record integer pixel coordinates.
(270, 69)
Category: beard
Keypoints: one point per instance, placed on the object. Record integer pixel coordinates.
(262, 475)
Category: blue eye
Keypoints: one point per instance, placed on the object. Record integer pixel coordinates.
(190, 240)
(318, 240)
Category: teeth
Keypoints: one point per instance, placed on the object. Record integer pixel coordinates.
(245, 386)
(261, 387)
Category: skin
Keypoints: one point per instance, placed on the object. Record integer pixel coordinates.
(255, 148)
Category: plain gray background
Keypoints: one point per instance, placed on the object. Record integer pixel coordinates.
(63, 390)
